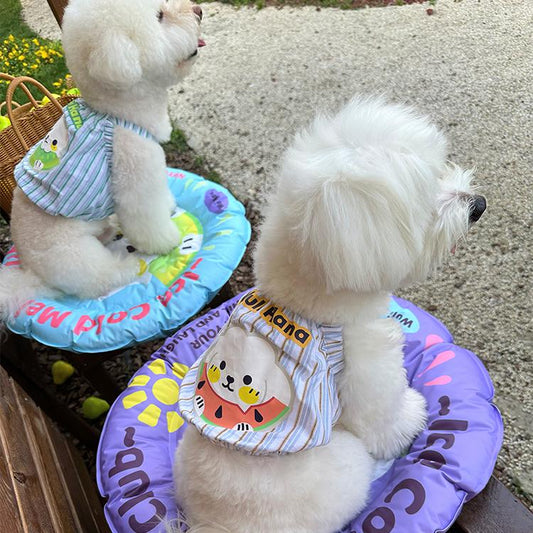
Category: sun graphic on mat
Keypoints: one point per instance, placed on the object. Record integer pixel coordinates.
(165, 391)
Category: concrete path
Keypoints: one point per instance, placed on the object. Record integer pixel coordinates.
(263, 74)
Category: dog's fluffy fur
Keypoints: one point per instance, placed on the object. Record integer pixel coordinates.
(366, 203)
(123, 55)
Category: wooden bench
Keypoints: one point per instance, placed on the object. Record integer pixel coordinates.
(44, 484)
(494, 510)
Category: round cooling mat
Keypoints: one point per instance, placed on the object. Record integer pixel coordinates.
(422, 492)
(170, 289)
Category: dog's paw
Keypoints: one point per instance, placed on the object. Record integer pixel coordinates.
(165, 238)
(38, 165)
(396, 439)
(414, 413)
(170, 201)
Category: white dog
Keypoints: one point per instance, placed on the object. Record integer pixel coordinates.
(103, 156)
(366, 203)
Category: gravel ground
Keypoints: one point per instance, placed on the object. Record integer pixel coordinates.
(263, 74)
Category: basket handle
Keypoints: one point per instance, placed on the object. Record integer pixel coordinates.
(14, 83)
(16, 104)
(8, 77)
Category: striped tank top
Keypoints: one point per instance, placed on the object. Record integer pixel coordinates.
(68, 172)
(267, 384)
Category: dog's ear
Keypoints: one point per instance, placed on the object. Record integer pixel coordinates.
(359, 234)
(116, 61)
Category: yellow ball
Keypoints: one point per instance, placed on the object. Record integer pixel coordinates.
(4, 122)
(61, 371)
(74, 91)
(94, 407)
(45, 100)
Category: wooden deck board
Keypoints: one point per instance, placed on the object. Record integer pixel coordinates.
(27, 489)
(8, 503)
(495, 510)
(44, 485)
(47, 465)
(58, 7)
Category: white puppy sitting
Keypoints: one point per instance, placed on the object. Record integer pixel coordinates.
(366, 203)
(103, 156)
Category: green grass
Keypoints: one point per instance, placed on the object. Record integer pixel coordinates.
(178, 141)
(180, 155)
(11, 20)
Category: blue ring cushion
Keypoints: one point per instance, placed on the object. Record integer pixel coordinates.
(169, 289)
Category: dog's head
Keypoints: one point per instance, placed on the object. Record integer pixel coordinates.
(120, 44)
(367, 200)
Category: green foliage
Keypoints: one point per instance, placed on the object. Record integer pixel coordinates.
(177, 143)
(11, 20)
(23, 52)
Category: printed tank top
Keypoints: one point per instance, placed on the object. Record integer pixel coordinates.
(267, 384)
(68, 172)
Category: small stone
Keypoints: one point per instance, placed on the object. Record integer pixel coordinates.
(94, 407)
(61, 371)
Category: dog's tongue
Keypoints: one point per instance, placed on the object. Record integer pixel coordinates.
(201, 43)
(453, 249)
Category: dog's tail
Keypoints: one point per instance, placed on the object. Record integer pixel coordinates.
(18, 285)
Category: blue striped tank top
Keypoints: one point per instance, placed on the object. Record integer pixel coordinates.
(267, 384)
(68, 172)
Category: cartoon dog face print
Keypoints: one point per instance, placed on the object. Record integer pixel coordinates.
(241, 385)
(52, 148)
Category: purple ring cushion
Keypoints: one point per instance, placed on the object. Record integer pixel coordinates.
(423, 491)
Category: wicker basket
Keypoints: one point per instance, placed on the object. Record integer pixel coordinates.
(29, 124)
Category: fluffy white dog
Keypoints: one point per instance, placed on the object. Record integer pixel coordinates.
(366, 203)
(103, 156)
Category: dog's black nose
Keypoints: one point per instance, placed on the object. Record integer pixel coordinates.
(477, 208)
(230, 379)
(197, 10)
